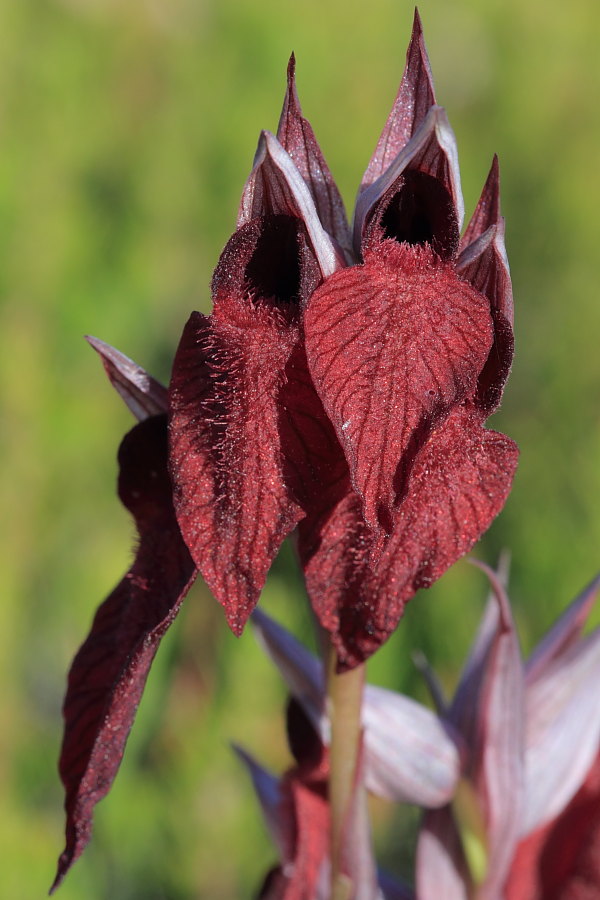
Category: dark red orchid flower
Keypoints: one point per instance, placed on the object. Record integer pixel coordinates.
(341, 384)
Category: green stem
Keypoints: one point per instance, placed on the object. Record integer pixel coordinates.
(345, 698)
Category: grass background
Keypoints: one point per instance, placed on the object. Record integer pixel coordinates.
(127, 131)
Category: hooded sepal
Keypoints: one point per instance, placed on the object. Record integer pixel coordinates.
(296, 136)
(142, 394)
(418, 198)
(276, 188)
(109, 672)
(414, 98)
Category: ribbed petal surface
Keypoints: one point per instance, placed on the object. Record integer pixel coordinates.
(392, 345)
(459, 482)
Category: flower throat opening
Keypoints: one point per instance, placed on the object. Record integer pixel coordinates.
(420, 212)
(274, 269)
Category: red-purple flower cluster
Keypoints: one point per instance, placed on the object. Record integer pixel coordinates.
(339, 388)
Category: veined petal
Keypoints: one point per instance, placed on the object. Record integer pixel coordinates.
(276, 187)
(563, 730)
(489, 709)
(410, 754)
(418, 198)
(392, 345)
(143, 395)
(233, 505)
(564, 633)
(459, 483)
(108, 674)
(441, 868)
(296, 136)
(414, 99)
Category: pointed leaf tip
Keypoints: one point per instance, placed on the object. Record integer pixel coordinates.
(143, 395)
(297, 137)
(414, 99)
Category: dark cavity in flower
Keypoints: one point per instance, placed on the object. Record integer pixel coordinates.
(275, 269)
(421, 211)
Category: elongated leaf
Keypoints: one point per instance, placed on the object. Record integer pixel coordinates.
(110, 670)
(491, 713)
(566, 631)
(563, 730)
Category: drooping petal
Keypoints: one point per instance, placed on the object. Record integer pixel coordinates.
(418, 197)
(563, 730)
(441, 868)
(232, 502)
(489, 709)
(414, 98)
(110, 670)
(410, 754)
(142, 394)
(296, 136)
(564, 633)
(392, 345)
(459, 483)
(276, 187)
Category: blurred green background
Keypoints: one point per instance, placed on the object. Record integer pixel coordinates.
(127, 130)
